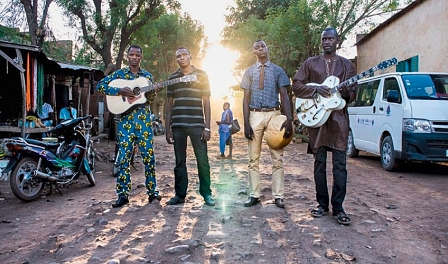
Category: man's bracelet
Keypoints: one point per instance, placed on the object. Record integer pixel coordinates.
(207, 129)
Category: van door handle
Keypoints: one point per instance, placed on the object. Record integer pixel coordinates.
(374, 109)
(381, 108)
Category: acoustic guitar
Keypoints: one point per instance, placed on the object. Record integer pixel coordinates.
(314, 112)
(118, 104)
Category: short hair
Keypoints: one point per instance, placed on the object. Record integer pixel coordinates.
(331, 29)
(182, 47)
(227, 103)
(258, 40)
(135, 46)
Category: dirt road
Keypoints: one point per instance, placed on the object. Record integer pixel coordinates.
(396, 217)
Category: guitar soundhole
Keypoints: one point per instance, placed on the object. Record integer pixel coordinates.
(137, 90)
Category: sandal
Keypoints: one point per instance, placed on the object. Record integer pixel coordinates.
(343, 218)
(319, 211)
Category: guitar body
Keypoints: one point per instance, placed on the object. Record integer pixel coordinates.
(118, 104)
(314, 112)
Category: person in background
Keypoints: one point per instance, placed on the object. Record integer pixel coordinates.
(265, 88)
(333, 134)
(188, 115)
(46, 113)
(225, 135)
(134, 127)
(68, 112)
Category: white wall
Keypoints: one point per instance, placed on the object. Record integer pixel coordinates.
(423, 31)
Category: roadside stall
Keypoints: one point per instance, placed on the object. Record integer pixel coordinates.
(29, 78)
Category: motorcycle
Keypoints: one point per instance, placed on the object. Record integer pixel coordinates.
(34, 162)
(157, 126)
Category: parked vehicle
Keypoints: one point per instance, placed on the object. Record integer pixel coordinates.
(401, 116)
(35, 163)
(157, 126)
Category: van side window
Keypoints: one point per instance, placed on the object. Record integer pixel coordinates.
(391, 84)
(366, 92)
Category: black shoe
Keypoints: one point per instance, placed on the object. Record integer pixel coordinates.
(251, 201)
(153, 197)
(175, 200)
(120, 202)
(209, 200)
(279, 202)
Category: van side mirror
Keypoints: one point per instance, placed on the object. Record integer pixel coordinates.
(392, 96)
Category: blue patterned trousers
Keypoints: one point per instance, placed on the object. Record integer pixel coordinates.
(136, 128)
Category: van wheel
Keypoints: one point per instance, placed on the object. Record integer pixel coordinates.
(387, 154)
(352, 152)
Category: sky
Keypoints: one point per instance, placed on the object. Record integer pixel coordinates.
(210, 13)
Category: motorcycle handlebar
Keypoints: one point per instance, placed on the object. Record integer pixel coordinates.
(71, 122)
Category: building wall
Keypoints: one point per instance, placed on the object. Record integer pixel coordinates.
(420, 32)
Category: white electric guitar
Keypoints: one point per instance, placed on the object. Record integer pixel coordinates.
(314, 112)
(118, 104)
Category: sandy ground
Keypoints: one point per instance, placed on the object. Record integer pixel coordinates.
(398, 217)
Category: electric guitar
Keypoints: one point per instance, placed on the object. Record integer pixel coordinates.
(314, 112)
(118, 104)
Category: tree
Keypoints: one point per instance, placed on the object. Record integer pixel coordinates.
(108, 24)
(258, 9)
(161, 37)
(292, 29)
(36, 14)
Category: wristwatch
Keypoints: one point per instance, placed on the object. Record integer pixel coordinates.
(207, 129)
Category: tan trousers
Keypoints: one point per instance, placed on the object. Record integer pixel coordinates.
(259, 123)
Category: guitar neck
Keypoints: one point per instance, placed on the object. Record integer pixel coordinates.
(162, 84)
(354, 79)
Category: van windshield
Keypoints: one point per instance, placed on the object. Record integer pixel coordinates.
(426, 86)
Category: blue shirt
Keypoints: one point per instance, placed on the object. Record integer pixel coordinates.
(64, 114)
(274, 78)
(225, 127)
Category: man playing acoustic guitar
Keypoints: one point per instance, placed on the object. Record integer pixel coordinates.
(333, 134)
(134, 126)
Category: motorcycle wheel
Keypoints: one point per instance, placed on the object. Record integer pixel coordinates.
(91, 156)
(91, 178)
(91, 160)
(24, 186)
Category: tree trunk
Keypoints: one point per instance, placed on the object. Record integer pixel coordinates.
(124, 43)
(31, 18)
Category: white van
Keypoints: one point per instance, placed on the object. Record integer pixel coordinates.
(401, 116)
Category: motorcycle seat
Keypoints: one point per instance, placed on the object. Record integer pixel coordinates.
(42, 143)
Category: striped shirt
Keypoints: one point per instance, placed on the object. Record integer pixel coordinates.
(187, 109)
(274, 78)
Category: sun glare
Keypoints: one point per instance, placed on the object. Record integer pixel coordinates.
(218, 65)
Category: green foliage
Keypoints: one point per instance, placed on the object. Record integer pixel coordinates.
(161, 37)
(30, 13)
(86, 56)
(258, 9)
(292, 29)
(13, 35)
(108, 25)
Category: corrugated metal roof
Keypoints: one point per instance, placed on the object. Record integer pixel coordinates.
(54, 66)
(19, 46)
(75, 67)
